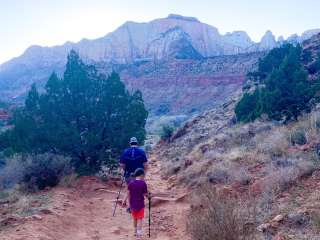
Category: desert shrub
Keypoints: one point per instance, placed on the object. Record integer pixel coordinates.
(273, 143)
(317, 120)
(35, 172)
(298, 136)
(315, 66)
(68, 180)
(241, 175)
(148, 148)
(155, 124)
(281, 178)
(246, 108)
(12, 173)
(227, 173)
(218, 175)
(315, 217)
(167, 132)
(215, 216)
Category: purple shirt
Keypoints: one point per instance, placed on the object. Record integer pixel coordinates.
(137, 190)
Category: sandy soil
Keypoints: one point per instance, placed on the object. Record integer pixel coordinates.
(85, 212)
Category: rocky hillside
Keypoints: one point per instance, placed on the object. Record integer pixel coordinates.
(187, 86)
(154, 57)
(278, 164)
(217, 130)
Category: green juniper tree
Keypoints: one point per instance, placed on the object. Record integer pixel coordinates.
(284, 91)
(85, 115)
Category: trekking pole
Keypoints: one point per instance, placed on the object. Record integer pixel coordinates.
(149, 198)
(116, 204)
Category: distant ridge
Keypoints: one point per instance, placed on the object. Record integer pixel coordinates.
(180, 17)
(214, 60)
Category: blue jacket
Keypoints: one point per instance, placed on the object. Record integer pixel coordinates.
(133, 158)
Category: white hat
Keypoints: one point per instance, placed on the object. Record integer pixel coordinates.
(133, 140)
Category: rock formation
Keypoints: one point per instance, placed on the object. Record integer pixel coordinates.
(156, 50)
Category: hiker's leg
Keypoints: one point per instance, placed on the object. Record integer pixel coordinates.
(127, 179)
(135, 225)
(139, 227)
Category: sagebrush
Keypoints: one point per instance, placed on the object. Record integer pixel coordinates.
(217, 216)
(34, 172)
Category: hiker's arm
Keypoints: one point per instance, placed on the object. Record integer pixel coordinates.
(125, 200)
(145, 161)
(122, 164)
(148, 195)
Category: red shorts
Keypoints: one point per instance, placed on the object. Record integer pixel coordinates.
(137, 215)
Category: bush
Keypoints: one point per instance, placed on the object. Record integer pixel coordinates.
(35, 172)
(246, 109)
(315, 66)
(285, 92)
(218, 175)
(298, 137)
(167, 132)
(215, 216)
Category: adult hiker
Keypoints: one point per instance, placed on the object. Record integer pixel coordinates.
(132, 159)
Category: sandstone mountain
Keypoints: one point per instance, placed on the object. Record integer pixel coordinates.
(151, 55)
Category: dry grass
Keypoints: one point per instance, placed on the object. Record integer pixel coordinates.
(69, 181)
(215, 216)
(273, 143)
(241, 153)
(315, 217)
(16, 204)
(35, 172)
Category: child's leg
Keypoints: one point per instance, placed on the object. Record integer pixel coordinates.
(139, 227)
(135, 225)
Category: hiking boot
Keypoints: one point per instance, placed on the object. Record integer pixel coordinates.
(139, 233)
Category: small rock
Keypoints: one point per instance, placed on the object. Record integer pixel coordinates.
(278, 218)
(263, 227)
(46, 211)
(36, 217)
(162, 228)
(115, 230)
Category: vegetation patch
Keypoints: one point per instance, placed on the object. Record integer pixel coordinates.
(283, 92)
(84, 115)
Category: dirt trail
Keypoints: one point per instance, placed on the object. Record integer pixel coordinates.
(84, 213)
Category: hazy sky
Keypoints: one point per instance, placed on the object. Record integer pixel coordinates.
(53, 22)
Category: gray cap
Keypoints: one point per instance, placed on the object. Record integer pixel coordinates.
(133, 140)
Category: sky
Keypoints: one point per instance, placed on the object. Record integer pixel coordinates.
(53, 22)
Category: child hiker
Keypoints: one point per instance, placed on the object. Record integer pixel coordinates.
(137, 191)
